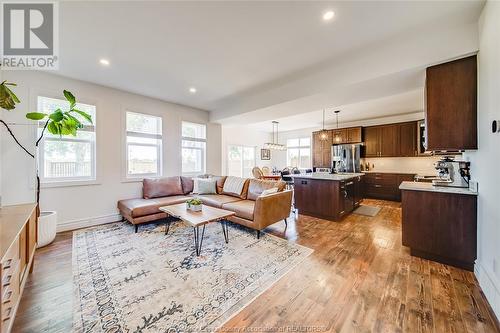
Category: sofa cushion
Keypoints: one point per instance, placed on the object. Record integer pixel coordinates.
(143, 207)
(161, 187)
(236, 187)
(220, 183)
(187, 184)
(242, 208)
(216, 200)
(257, 186)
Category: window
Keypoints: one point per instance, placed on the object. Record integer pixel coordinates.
(143, 147)
(67, 158)
(194, 144)
(299, 153)
(240, 161)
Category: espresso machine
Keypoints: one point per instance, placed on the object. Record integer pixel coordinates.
(452, 173)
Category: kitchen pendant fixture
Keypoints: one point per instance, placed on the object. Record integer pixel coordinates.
(323, 135)
(337, 133)
(275, 145)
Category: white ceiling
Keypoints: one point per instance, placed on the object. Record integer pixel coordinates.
(229, 49)
(410, 102)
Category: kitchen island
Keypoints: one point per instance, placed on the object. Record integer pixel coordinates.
(327, 196)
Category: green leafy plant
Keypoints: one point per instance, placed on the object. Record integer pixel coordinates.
(58, 122)
(194, 202)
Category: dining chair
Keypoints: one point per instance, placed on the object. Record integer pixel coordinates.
(265, 170)
(257, 172)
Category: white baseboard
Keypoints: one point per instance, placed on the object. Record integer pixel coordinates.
(89, 222)
(490, 286)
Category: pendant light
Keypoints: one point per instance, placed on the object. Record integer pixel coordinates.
(337, 134)
(323, 135)
(275, 144)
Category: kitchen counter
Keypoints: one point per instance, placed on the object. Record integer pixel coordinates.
(328, 176)
(428, 187)
(390, 172)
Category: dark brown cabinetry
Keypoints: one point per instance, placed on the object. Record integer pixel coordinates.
(384, 186)
(322, 153)
(391, 140)
(440, 226)
(327, 199)
(451, 105)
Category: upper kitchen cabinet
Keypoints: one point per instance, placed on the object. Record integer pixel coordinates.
(408, 139)
(391, 140)
(451, 105)
(322, 150)
(354, 134)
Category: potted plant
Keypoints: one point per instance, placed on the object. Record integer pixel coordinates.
(58, 122)
(194, 205)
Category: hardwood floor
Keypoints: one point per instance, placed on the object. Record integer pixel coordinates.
(359, 279)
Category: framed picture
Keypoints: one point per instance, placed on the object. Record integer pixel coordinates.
(265, 154)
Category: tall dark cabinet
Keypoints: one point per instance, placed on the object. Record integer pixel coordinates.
(451, 105)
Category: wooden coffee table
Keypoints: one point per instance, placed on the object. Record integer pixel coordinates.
(197, 219)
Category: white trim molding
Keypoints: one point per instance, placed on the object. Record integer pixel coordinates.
(88, 222)
(490, 286)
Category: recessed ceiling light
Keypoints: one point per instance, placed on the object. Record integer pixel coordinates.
(104, 62)
(328, 15)
(192, 90)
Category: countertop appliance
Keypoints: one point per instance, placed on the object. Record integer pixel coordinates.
(346, 158)
(452, 173)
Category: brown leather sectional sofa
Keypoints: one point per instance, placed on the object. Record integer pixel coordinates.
(252, 210)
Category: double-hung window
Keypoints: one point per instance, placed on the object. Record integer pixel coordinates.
(299, 153)
(67, 158)
(143, 146)
(194, 146)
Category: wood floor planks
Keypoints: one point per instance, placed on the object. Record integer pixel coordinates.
(359, 279)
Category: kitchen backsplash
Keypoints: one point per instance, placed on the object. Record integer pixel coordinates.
(423, 166)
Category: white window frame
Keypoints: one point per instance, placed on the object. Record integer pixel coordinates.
(66, 181)
(299, 147)
(242, 159)
(159, 145)
(193, 139)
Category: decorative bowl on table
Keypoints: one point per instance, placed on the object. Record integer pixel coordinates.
(194, 205)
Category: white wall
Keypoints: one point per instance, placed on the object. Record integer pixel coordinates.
(486, 160)
(92, 204)
(244, 136)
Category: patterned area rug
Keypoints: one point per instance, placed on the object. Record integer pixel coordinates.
(152, 282)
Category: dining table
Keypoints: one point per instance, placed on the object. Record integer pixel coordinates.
(272, 177)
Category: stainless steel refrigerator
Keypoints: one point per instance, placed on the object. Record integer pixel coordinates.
(346, 158)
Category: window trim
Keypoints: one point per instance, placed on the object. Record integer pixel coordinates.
(137, 177)
(66, 181)
(194, 139)
(299, 147)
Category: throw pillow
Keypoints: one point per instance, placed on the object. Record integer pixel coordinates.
(269, 191)
(205, 186)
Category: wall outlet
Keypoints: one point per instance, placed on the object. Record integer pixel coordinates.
(473, 186)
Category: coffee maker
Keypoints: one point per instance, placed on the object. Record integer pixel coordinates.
(452, 173)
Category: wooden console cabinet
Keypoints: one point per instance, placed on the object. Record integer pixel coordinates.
(440, 227)
(18, 236)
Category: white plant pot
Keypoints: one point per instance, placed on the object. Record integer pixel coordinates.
(194, 208)
(47, 225)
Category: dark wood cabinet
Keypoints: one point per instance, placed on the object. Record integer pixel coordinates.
(408, 139)
(322, 153)
(354, 135)
(393, 140)
(327, 199)
(451, 105)
(371, 147)
(440, 226)
(384, 186)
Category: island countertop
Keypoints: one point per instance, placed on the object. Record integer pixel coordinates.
(328, 176)
(428, 187)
